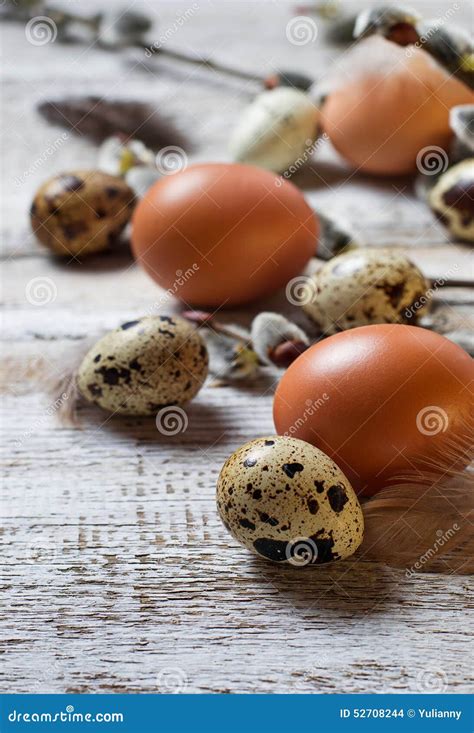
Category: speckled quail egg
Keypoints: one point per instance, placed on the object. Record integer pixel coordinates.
(452, 199)
(365, 286)
(144, 365)
(81, 212)
(288, 502)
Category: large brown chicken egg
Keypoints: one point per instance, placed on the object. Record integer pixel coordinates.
(221, 234)
(389, 104)
(382, 401)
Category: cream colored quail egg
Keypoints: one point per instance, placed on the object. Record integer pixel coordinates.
(277, 130)
(365, 286)
(452, 200)
(81, 212)
(288, 502)
(144, 365)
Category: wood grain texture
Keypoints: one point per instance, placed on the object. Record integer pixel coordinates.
(117, 575)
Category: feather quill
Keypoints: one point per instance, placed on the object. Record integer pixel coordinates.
(99, 119)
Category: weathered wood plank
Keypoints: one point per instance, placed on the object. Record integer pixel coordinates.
(117, 575)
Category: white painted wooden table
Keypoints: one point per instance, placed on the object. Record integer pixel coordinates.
(117, 575)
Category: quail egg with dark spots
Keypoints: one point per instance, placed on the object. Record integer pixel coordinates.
(288, 502)
(452, 200)
(364, 286)
(144, 365)
(81, 212)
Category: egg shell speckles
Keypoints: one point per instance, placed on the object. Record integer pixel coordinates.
(81, 212)
(288, 502)
(144, 365)
(366, 286)
(452, 200)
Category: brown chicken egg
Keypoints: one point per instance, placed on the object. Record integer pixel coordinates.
(381, 400)
(389, 104)
(221, 234)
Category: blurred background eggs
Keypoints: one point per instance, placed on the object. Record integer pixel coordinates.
(381, 401)
(276, 130)
(387, 104)
(81, 212)
(363, 286)
(221, 234)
